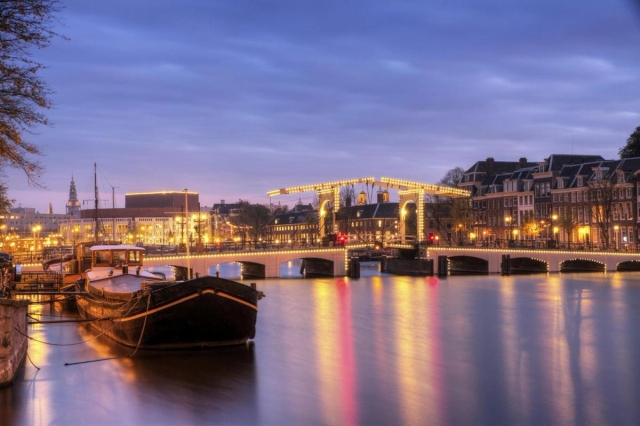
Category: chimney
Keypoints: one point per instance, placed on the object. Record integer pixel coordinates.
(491, 166)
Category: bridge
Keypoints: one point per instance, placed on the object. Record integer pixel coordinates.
(512, 260)
(331, 261)
(408, 192)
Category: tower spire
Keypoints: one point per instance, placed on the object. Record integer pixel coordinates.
(73, 205)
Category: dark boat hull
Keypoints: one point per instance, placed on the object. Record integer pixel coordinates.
(201, 312)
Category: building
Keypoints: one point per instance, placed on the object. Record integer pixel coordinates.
(25, 229)
(73, 205)
(372, 223)
(293, 228)
(148, 218)
(571, 201)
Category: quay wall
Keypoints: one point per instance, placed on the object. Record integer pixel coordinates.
(13, 344)
(407, 266)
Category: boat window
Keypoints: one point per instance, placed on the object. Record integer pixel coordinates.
(119, 256)
(134, 256)
(102, 258)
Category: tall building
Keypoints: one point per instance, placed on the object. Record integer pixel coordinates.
(73, 205)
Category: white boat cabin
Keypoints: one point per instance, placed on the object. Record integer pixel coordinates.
(116, 256)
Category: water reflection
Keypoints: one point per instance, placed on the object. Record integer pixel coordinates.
(557, 349)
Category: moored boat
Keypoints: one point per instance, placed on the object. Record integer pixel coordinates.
(141, 309)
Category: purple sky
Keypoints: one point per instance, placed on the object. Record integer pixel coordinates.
(235, 98)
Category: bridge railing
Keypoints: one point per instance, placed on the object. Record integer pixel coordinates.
(544, 245)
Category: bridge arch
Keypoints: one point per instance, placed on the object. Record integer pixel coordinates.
(628, 266)
(467, 265)
(528, 265)
(582, 265)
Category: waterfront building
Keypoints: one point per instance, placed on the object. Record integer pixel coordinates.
(221, 226)
(579, 200)
(25, 229)
(370, 223)
(148, 218)
(293, 228)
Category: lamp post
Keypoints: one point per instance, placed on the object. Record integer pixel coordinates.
(554, 229)
(508, 221)
(615, 235)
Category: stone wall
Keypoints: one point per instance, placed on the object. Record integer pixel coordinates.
(13, 344)
(407, 266)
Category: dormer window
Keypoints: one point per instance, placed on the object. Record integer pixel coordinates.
(579, 181)
(620, 176)
(560, 183)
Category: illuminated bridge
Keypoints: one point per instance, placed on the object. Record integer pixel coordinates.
(262, 263)
(408, 191)
(494, 260)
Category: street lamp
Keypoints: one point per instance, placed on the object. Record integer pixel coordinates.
(615, 235)
(508, 220)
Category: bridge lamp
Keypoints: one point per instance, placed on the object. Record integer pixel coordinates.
(615, 235)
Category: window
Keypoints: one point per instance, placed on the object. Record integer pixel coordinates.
(555, 198)
(573, 197)
(628, 192)
(134, 256)
(548, 187)
(537, 190)
(119, 256)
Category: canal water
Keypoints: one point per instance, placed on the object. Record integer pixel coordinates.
(378, 350)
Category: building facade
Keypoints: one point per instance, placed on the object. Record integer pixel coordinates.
(149, 218)
(569, 201)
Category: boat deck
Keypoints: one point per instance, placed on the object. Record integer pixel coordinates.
(122, 283)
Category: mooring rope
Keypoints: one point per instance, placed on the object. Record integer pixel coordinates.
(139, 340)
(144, 325)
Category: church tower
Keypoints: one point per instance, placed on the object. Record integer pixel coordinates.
(73, 205)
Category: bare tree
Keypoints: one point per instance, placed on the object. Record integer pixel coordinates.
(599, 201)
(24, 25)
(568, 220)
(440, 211)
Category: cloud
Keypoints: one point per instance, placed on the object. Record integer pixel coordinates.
(241, 97)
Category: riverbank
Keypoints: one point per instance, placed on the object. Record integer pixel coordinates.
(13, 338)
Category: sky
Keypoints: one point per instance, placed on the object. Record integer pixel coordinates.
(236, 98)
